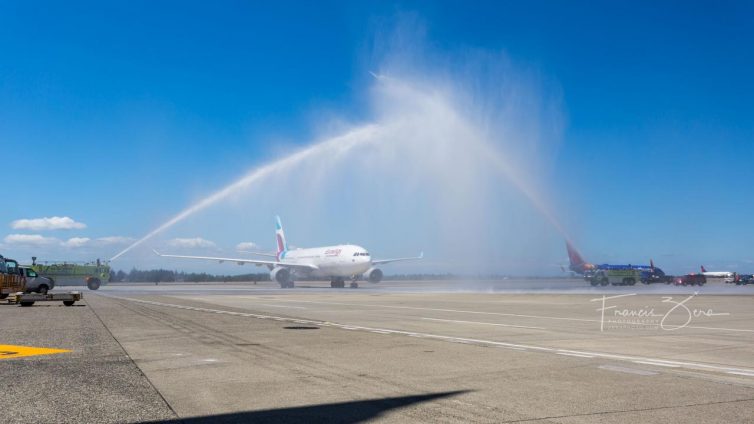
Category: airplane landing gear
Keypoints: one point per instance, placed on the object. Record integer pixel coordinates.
(337, 283)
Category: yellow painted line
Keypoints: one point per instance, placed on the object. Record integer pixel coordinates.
(11, 351)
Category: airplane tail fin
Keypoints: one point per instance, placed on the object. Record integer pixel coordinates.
(573, 256)
(703, 270)
(280, 237)
(652, 264)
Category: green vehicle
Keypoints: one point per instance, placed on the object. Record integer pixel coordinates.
(91, 274)
(615, 277)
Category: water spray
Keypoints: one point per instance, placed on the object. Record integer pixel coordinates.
(336, 145)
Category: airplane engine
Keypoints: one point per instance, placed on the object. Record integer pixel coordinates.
(373, 275)
(281, 275)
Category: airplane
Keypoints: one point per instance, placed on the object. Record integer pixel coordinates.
(334, 262)
(727, 276)
(579, 266)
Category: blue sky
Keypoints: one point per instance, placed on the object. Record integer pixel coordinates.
(119, 115)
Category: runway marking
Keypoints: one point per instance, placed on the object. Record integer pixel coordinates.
(627, 370)
(747, 374)
(280, 306)
(481, 342)
(13, 351)
(483, 323)
(574, 354)
(659, 364)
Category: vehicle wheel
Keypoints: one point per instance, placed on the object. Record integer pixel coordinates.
(332, 284)
(594, 283)
(93, 283)
(27, 303)
(68, 302)
(631, 281)
(354, 285)
(42, 289)
(604, 282)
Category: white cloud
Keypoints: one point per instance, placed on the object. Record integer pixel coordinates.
(191, 242)
(76, 242)
(42, 224)
(30, 240)
(247, 245)
(114, 240)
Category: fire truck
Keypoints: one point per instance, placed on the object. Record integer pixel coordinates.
(615, 277)
(91, 274)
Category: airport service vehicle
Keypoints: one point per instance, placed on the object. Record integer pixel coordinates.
(744, 279)
(11, 281)
(615, 277)
(690, 280)
(92, 274)
(649, 277)
(35, 282)
(579, 266)
(28, 299)
(337, 263)
(726, 276)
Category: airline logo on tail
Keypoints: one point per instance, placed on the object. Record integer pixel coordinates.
(573, 256)
(703, 270)
(577, 263)
(280, 236)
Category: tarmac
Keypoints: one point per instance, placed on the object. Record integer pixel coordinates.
(546, 351)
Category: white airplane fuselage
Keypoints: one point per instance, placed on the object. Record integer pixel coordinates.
(346, 260)
(725, 276)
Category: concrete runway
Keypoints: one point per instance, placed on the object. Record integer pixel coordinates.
(551, 351)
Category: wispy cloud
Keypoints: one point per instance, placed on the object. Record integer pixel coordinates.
(247, 245)
(38, 240)
(30, 240)
(191, 242)
(43, 224)
(76, 242)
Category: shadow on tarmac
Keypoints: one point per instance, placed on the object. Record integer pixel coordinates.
(345, 412)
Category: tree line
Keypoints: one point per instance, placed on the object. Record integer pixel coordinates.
(168, 276)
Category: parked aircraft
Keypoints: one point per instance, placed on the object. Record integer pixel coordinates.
(579, 266)
(727, 276)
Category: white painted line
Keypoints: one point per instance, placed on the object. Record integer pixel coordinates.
(627, 370)
(720, 329)
(659, 364)
(635, 359)
(279, 306)
(747, 374)
(574, 354)
(482, 323)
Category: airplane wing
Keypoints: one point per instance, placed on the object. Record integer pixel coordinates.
(269, 255)
(241, 261)
(386, 261)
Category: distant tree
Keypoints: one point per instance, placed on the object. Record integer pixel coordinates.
(120, 275)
